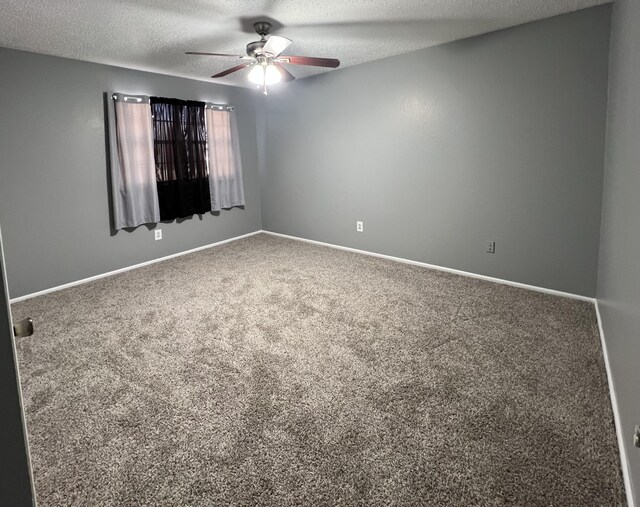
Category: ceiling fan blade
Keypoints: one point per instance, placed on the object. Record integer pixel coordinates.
(210, 54)
(310, 60)
(286, 75)
(276, 45)
(232, 69)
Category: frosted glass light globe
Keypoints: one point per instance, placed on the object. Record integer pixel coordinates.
(271, 75)
(256, 74)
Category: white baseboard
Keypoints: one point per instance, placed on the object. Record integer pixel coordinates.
(129, 268)
(616, 413)
(331, 245)
(441, 268)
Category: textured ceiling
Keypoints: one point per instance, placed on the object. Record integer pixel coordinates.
(154, 34)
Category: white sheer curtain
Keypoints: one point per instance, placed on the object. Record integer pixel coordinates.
(225, 167)
(133, 173)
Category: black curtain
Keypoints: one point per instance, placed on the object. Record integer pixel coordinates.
(180, 150)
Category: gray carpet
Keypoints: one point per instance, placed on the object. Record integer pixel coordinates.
(276, 373)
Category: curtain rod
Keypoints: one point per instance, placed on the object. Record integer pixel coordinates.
(130, 98)
(144, 98)
(219, 107)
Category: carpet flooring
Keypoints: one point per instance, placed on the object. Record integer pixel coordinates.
(271, 372)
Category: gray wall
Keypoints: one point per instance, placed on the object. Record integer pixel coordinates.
(498, 137)
(15, 481)
(619, 270)
(54, 208)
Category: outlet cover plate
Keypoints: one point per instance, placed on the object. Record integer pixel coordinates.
(157, 234)
(491, 247)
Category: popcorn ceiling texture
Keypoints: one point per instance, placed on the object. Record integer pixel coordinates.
(277, 373)
(154, 34)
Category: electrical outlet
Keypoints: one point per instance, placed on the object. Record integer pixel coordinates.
(158, 234)
(491, 247)
(359, 226)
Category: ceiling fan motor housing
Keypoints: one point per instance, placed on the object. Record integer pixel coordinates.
(255, 48)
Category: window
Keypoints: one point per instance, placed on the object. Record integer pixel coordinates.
(180, 152)
(171, 159)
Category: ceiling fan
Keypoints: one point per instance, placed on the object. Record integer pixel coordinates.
(265, 59)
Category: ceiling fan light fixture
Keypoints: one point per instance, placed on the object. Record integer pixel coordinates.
(264, 74)
(271, 75)
(256, 74)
